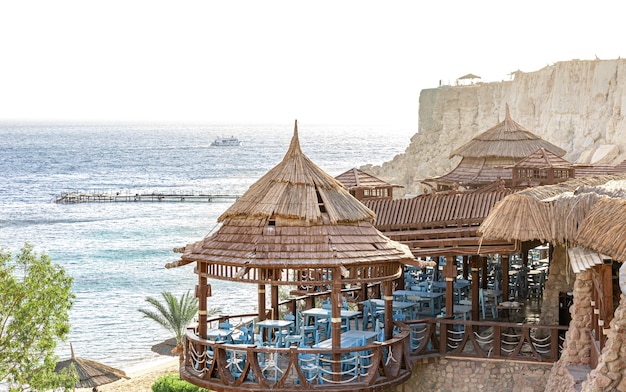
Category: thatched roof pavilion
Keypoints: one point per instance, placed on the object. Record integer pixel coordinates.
(296, 225)
(542, 167)
(488, 157)
(365, 186)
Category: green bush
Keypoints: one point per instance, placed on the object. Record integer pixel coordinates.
(173, 383)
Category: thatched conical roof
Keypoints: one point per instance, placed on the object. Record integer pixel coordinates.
(90, 373)
(551, 213)
(507, 139)
(295, 188)
(296, 217)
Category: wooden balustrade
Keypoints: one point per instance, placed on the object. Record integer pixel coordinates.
(485, 339)
(220, 366)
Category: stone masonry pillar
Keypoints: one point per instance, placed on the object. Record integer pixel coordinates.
(577, 346)
(561, 279)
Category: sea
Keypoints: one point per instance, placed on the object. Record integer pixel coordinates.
(116, 252)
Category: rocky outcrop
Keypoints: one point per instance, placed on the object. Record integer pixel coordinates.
(577, 105)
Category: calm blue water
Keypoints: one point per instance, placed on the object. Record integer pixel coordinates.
(116, 252)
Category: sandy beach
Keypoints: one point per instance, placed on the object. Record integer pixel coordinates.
(141, 377)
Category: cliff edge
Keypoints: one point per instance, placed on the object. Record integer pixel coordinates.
(575, 104)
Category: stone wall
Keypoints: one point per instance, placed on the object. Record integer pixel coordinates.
(577, 105)
(460, 375)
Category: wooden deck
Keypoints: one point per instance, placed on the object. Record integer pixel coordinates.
(74, 198)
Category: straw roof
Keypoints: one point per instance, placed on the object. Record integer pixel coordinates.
(476, 171)
(296, 217)
(90, 373)
(294, 189)
(543, 159)
(355, 178)
(470, 76)
(506, 139)
(551, 213)
(603, 230)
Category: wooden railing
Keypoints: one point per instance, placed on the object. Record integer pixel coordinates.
(220, 366)
(485, 339)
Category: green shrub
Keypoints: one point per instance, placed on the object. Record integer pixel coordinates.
(173, 383)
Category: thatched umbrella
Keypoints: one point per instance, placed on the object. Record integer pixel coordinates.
(297, 225)
(90, 373)
(166, 347)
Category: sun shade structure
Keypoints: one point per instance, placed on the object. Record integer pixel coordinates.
(298, 226)
(90, 373)
(551, 213)
(603, 230)
(489, 156)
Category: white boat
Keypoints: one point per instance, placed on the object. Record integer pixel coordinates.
(226, 141)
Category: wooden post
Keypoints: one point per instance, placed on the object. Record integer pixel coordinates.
(201, 293)
(449, 272)
(363, 292)
(274, 294)
(483, 282)
(475, 263)
(261, 297)
(436, 269)
(465, 267)
(388, 297)
(335, 321)
(505, 277)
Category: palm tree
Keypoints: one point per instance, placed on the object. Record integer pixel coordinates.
(175, 314)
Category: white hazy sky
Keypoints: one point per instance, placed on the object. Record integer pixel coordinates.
(329, 62)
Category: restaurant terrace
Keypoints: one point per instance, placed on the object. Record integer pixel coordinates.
(375, 288)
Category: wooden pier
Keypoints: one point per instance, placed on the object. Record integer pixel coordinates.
(74, 198)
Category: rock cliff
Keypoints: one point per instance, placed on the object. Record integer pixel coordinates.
(577, 105)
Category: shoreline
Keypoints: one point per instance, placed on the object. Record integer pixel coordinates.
(141, 376)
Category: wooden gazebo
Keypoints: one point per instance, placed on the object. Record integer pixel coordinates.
(488, 157)
(542, 167)
(365, 186)
(297, 226)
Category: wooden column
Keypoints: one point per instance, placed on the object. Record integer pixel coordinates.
(363, 292)
(449, 272)
(202, 293)
(388, 297)
(475, 264)
(335, 320)
(505, 277)
(465, 267)
(335, 313)
(524, 257)
(483, 263)
(261, 296)
(274, 294)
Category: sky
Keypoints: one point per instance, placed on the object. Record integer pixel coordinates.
(252, 62)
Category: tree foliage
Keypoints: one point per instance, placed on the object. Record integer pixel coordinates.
(35, 300)
(174, 314)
